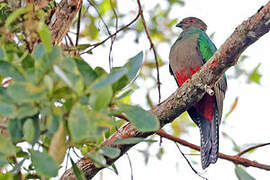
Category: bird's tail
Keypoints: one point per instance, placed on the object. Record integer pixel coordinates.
(209, 143)
(209, 138)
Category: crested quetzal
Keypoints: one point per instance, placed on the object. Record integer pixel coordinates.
(191, 50)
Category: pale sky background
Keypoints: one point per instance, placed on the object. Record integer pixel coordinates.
(249, 123)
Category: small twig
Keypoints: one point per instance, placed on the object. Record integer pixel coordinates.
(101, 18)
(93, 46)
(152, 46)
(190, 165)
(108, 31)
(14, 158)
(68, 154)
(70, 40)
(114, 37)
(75, 153)
(131, 169)
(251, 148)
(78, 26)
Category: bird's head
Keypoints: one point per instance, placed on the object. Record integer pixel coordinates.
(190, 22)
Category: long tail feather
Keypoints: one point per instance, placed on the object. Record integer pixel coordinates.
(215, 136)
(209, 137)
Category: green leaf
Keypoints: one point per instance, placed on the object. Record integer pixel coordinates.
(114, 169)
(78, 173)
(6, 147)
(45, 36)
(28, 63)
(255, 76)
(26, 92)
(160, 153)
(101, 120)
(109, 79)
(28, 130)
(6, 109)
(15, 129)
(46, 63)
(4, 97)
(68, 72)
(100, 71)
(3, 162)
(82, 47)
(44, 164)
(133, 140)
(53, 121)
(143, 120)
(85, 124)
(120, 84)
(6, 176)
(134, 65)
(58, 145)
(39, 51)
(100, 99)
(125, 94)
(98, 159)
(62, 75)
(2, 54)
(242, 174)
(79, 122)
(26, 110)
(8, 70)
(18, 166)
(110, 152)
(89, 75)
(17, 13)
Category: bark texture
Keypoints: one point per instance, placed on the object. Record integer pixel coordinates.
(62, 19)
(193, 90)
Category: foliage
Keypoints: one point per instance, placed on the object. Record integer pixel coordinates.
(56, 101)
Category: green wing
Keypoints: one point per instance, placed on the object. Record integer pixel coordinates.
(207, 47)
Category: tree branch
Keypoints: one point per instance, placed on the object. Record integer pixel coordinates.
(192, 90)
(152, 46)
(62, 19)
(236, 159)
(93, 46)
(252, 148)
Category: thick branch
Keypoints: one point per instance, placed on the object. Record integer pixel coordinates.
(191, 91)
(62, 19)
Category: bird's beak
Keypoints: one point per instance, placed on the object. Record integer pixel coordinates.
(179, 25)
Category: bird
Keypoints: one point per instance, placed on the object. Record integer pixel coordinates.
(190, 51)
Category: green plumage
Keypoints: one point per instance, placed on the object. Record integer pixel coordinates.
(207, 48)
